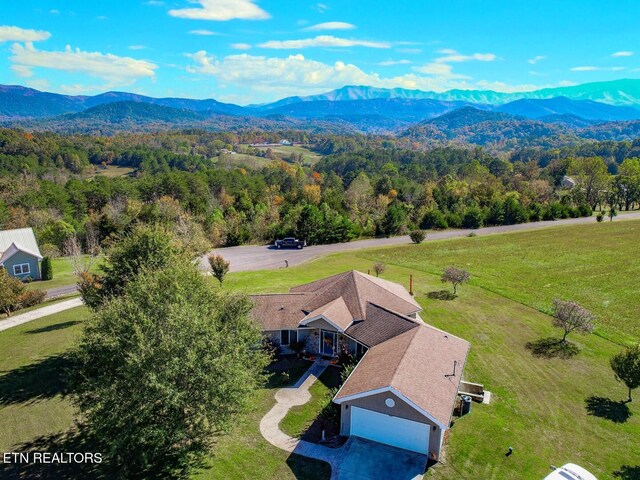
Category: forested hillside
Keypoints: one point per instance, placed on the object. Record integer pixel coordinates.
(203, 185)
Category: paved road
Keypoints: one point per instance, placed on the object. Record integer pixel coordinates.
(248, 258)
(39, 313)
(59, 291)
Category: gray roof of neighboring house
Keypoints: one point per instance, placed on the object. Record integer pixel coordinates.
(21, 239)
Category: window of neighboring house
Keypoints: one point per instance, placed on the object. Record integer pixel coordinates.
(21, 269)
(287, 337)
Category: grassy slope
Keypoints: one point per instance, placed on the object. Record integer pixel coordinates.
(538, 406)
(595, 265)
(31, 403)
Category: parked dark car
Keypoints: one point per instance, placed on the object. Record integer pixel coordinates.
(290, 242)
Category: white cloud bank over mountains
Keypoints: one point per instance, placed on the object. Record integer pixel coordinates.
(297, 75)
(114, 70)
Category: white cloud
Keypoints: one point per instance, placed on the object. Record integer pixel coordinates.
(331, 26)
(274, 77)
(54, 12)
(536, 59)
(441, 70)
(591, 68)
(222, 10)
(240, 46)
(410, 50)
(452, 56)
(115, 70)
(320, 7)
(322, 41)
(136, 47)
(389, 63)
(623, 53)
(203, 32)
(16, 34)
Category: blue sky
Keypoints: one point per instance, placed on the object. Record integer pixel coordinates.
(251, 51)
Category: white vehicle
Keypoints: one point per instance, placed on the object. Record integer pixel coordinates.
(570, 471)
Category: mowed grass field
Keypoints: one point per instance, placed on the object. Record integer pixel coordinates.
(549, 410)
(596, 265)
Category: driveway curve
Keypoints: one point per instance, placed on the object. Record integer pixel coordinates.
(39, 313)
(263, 257)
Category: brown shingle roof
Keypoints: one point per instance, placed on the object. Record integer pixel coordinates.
(336, 311)
(358, 289)
(279, 311)
(381, 325)
(418, 364)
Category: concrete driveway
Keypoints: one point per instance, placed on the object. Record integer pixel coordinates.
(362, 459)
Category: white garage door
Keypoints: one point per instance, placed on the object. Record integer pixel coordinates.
(395, 431)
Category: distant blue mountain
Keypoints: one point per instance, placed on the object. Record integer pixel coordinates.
(586, 109)
(616, 92)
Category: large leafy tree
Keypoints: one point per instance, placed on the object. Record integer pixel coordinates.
(162, 368)
(145, 248)
(626, 367)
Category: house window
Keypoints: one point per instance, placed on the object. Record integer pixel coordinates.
(21, 269)
(287, 337)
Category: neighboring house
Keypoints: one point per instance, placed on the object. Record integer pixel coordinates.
(404, 388)
(285, 142)
(19, 253)
(567, 182)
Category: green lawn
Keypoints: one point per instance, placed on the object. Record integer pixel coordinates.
(550, 410)
(62, 274)
(300, 417)
(595, 264)
(32, 401)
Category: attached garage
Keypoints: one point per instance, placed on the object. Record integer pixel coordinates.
(394, 431)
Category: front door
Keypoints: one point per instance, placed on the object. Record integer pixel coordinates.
(329, 343)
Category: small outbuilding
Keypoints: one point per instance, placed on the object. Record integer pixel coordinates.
(19, 253)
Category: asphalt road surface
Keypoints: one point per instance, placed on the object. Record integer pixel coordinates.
(59, 291)
(266, 257)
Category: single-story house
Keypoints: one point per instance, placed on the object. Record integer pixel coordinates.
(404, 388)
(19, 253)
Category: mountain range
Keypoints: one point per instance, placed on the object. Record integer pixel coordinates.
(564, 112)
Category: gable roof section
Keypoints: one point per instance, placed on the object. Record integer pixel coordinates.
(22, 237)
(13, 249)
(282, 311)
(357, 289)
(418, 365)
(336, 312)
(381, 325)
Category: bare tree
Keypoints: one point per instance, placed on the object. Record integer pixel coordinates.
(379, 268)
(456, 276)
(81, 264)
(219, 266)
(571, 316)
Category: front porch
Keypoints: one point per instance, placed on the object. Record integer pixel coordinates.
(316, 340)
